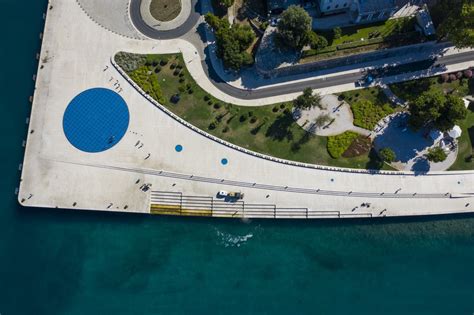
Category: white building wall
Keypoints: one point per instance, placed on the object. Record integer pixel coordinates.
(329, 6)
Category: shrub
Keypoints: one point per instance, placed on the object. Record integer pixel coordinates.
(337, 32)
(444, 77)
(181, 80)
(468, 74)
(157, 69)
(316, 41)
(173, 66)
(217, 105)
(176, 72)
(190, 91)
(452, 77)
(337, 145)
(163, 62)
(206, 98)
(181, 89)
(275, 109)
(264, 26)
(436, 155)
(130, 62)
(387, 155)
(212, 125)
(459, 75)
(253, 120)
(226, 129)
(242, 118)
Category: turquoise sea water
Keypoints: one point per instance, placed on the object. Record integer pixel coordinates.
(63, 262)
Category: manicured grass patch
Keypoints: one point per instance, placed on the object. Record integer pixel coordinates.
(380, 29)
(465, 160)
(165, 10)
(364, 38)
(337, 145)
(266, 129)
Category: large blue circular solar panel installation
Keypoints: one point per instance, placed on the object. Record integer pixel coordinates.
(96, 120)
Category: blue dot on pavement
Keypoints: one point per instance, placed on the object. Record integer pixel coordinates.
(178, 148)
(224, 161)
(96, 120)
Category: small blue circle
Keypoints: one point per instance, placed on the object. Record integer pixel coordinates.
(178, 148)
(96, 120)
(224, 161)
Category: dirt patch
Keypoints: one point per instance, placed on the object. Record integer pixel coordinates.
(165, 10)
(360, 146)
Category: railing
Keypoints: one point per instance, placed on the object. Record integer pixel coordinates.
(175, 203)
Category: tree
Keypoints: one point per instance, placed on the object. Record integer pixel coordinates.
(387, 155)
(317, 41)
(436, 155)
(307, 100)
(433, 107)
(226, 3)
(294, 27)
(458, 22)
(232, 42)
(322, 120)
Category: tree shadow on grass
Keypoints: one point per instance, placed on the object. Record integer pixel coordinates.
(375, 163)
(280, 129)
(295, 147)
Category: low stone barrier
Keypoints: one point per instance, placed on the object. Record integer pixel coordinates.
(255, 154)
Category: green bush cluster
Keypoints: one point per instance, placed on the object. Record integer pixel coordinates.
(232, 42)
(130, 62)
(367, 114)
(149, 83)
(337, 145)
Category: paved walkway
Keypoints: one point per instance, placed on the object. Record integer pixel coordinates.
(338, 116)
(55, 174)
(392, 97)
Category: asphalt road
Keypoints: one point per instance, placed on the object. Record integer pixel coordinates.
(262, 92)
(149, 31)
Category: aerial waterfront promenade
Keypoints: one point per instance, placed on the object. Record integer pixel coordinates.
(161, 164)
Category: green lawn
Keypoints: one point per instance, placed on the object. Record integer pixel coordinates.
(410, 90)
(466, 144)
(266, 129)
(165, 10)
(381, 29)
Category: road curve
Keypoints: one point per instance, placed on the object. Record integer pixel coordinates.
(245, 94)
(149, 31)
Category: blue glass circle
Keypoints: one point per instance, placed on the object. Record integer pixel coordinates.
(96, 120)
(224, 161)
(178, 148)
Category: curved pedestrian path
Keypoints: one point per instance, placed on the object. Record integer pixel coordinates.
(185, 23)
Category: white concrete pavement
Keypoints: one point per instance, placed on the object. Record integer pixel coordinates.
(55, 174)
